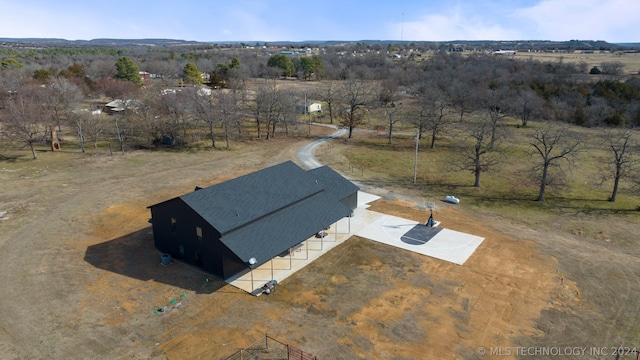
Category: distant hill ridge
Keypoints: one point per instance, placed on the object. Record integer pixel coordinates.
(100, 42)
(493, 44)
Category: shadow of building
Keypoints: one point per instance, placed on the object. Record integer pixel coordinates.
(134, 255)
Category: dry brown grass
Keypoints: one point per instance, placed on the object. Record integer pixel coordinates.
(631, 61)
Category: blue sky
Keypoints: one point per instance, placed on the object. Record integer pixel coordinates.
(267, 20)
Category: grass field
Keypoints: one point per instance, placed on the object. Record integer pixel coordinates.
(507, 190)
(631, 61)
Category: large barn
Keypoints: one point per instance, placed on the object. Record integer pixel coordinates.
(222, 228)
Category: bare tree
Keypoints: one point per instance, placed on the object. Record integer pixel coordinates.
(11, 80)
(356, 96)
(101, 68)
(582, 67)
(148, 113)
(553, 144)
(461, 95)
(481, 158)
(613, 68)
(493, 102)
(273, 108)
(214, 109)
(228, 111)
(329, 94)
(288, 115)
(115, 88)
(78, 120)
(260, 101)
(433, 112)
(388, 98)
(526, 103)
(122, 122)
(237, 78)
(25, 119)
(597, 112)
(94, 127)
(175, 106)
(632, 112)
(121, 132)
(620, 142)
(204, 109)
(63, 97)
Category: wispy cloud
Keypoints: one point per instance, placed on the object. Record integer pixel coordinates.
(268, 20)
(615, 20)
(455, 24)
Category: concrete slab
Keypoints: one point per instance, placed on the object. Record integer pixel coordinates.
(453, 246)
(365, 198)
(448, 245)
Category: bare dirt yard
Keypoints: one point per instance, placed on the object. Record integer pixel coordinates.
(82, 280)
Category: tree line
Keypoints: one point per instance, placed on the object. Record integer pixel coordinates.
(447, 90)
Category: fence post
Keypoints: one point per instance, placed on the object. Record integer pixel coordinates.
(266, 341)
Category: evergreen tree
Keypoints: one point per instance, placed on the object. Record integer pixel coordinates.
(191, 74)
(127, 70)
(42, 75)
(10, 63)
(282, 62)
(309, 66)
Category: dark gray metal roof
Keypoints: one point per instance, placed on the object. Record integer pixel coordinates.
(333, 182)
(240, 201)
(279, 231)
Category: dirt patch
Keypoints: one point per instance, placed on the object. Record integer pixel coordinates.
(368, 300)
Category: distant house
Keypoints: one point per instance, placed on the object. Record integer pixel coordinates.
(204, 91)
(168, 92)
(505, 52)
(240, 224)
(118, 105)
(147, 75)
(308, 107)
(87, 111)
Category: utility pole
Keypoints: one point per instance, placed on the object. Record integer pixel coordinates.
(402, 30)
(415, 162)
(307, 113)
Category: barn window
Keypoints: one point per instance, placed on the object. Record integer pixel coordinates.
(199, 233)
(173, 225)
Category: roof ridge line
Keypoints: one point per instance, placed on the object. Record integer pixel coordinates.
(272, 212)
